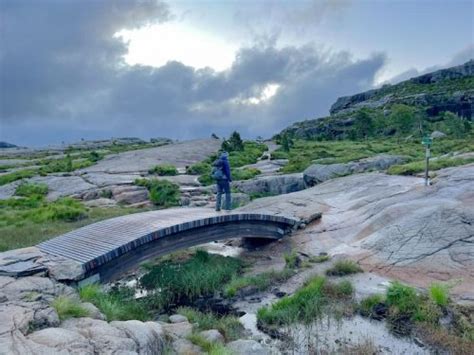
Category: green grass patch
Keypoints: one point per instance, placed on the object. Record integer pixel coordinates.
(292, 261)
(306, 305)
(23, 222)
(164, 170)
(68, 308)
(245, 173)
(180, 282)
(31, 189)
(117, 304)
(261, 281)
(229, 326)
(163, 193)
(304, 153)
(17, 175)
(419, 166)
(343, 267)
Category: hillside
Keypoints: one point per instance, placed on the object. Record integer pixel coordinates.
(433, 100)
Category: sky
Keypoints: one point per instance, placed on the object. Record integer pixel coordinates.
(92, 69)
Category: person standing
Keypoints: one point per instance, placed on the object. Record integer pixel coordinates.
(221, 173)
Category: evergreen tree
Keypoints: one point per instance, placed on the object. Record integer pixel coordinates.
(364, 124)
(401, 119)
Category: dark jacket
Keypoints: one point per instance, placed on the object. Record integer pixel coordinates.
(223, 163)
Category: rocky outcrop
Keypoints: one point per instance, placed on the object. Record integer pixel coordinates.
(392, 225)
(318, 173)
(441, 98)
(30, 325)
(272, 185)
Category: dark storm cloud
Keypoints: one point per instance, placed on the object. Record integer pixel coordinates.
(62, 70)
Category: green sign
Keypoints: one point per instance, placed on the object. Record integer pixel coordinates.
(427, 141)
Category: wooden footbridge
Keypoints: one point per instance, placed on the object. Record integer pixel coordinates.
(108, 248)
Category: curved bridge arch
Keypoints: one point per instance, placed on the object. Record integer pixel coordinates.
(108, 248)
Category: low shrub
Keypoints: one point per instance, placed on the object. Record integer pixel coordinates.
(343, 267)
(164, 170)
(68, 308)
(163, 193)
(229, 326)
(31, 189)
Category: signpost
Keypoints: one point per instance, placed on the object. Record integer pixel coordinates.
(427, 141)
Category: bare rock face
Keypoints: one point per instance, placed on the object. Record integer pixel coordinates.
(319, 173)
(392, 225)
(179, 154)
(273, 185)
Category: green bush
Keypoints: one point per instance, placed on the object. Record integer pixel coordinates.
(200, 275)
(68, 308)
(163, 193)
(31, 189)
(343, 267)
(292, 261)
(164, 170)
(229, 326)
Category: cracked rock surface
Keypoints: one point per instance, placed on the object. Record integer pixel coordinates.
(392, 225)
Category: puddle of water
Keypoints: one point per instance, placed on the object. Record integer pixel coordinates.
(222, 248)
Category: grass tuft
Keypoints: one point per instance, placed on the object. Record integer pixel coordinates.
(229, 326)
(439, 294)
(209, 347)
(162, 193)
(343, 267)
(116, 304)
(68, 308)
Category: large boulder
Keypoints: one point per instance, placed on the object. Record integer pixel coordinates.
(318, 173)
(130, 194)
(272, 185)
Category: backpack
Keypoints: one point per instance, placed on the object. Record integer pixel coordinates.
(217, 173)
